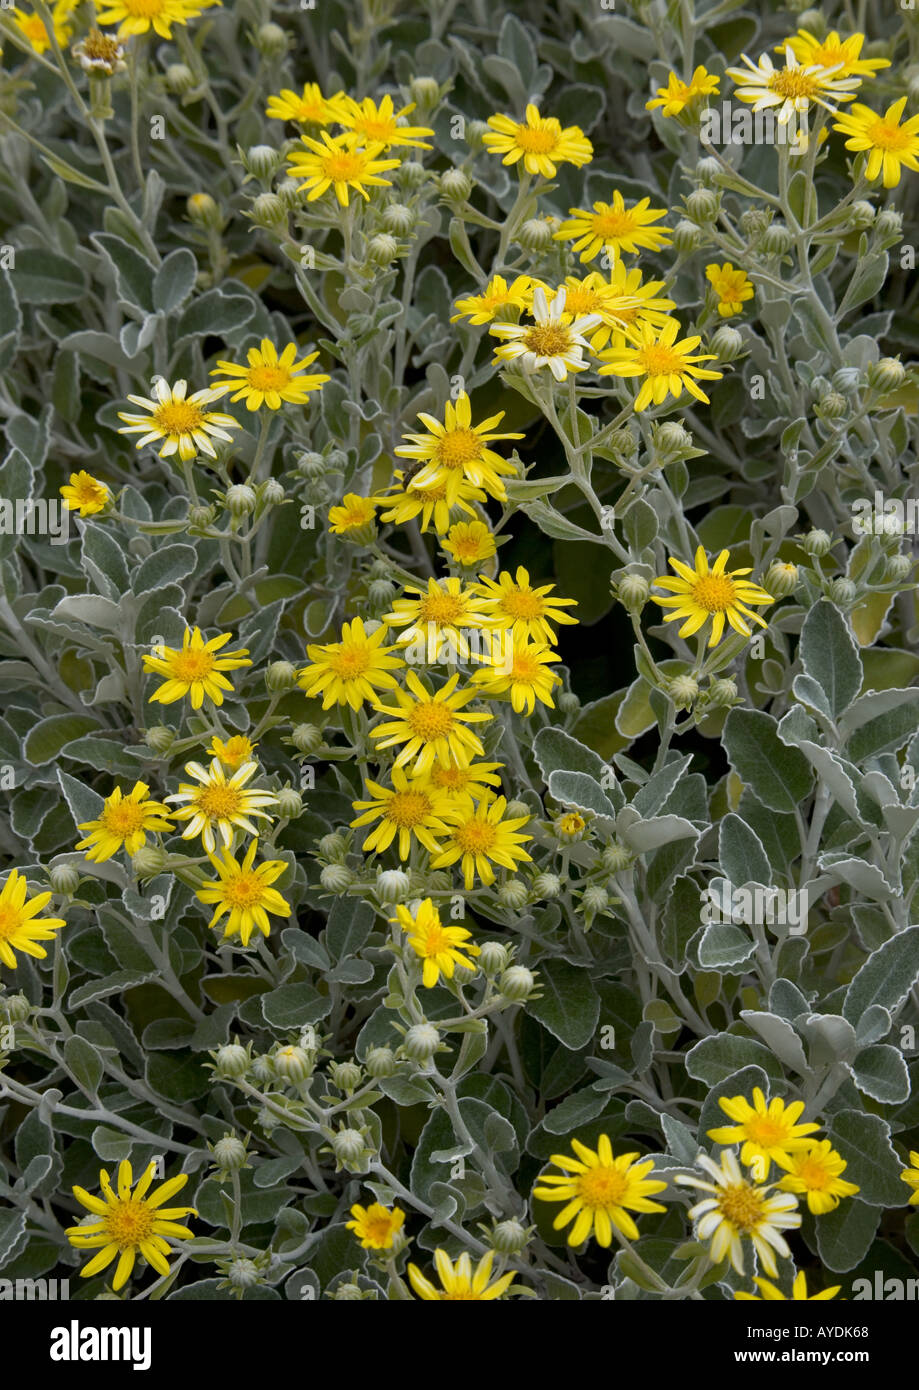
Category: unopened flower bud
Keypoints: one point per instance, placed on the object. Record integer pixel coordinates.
(347, 1293)
(63, 879)
(149, 861)
(569, 827)
(347, 1076)
(455, 185)
(753, 222)
(291, 193)
(832, 406)
(412, 174)
(633, 591)
(594, 898)
(381, 593)
(515, 809)
(475, 134)
(159, 738)
(392, 885)
(616, 858)
(398, 219)
(535, 234)
(817, 542)
(727, 344)
(813, 22)
(243, 1273)
(492, 958)
(671, 437)
(199, 518)
(263, 161)
(232, 1060)
(623, 442)
(846, 380)
(887, 374)
(421, 1041)
(777, 239)
(272, 492)
(513, 894)
(781, 579)
(293, 1063)
(268, 210)
(517, 982)
(842, 590)
(16, 1008)
(203, 210)
(687, 237)
(262, 1069)
(180, 80)
(380, 1062)
(702, 205)
(230, 1153)
(888, 223)
(280, 676)
(332, 846)
(241, 500)
(898, 567)
(290, 803)
(707, 170)
(722, 692)
(861, 214)
(425, 91)
(271, 40)
(306, 738)
(509, 1237)
(683, 690)
(568, 702)
(547, 885)
(336, 878)
(382, 249)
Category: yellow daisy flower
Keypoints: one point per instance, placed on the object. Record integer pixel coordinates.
(514, 605)
(627, 305)
(740, 1210)
(32, 26)
(374, 124)
(219, 804)
(244, 892)
(352, 670)
(539, 141)
(478, 836)
(408, 808)
(771, 1293)
(339, 162)
(592, 294)
(456, 451)
(440, 948)
(497, 296)
(554, 339)
(768, 1130)
(124, 822)
(910, 1175)
(376, 1226)
(195, 669)
(666, 364)
(234, 752)
(270, 379)
(468, 543)
(791, 89)
(85, 494)
(715, 593)
(21, 928)
(181, 420)
(599, 1191)
(614, 228)
(815, 1172)
(309, 108)
(677, 95)
(477, 779)
(459, 1284)
(353, 513)
(437, 618)
(428, 504)
(520, 667)
(731, 287)
(99, 55)
(432, 727)
(890, 145)
(130, 1223)
(833, 52)
(139, 16)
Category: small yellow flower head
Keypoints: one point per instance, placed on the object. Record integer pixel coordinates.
(381, 125)
(768, 1130)
(124, 823)
(234, 752)
(219, 805)
(770, 1293)
(519, 668)
(140, 16)
(352, 670)
(890, 145)
(553, 339)
(789, 91)
(242, 891)
(376, 1226)
(479, 836)
(614, 228)
(85, 494)
(498, 299)
(455, 450)
(469, 543)
(340, 163)
(431, 727)
(731, 287)
(21, 929)
(667, 365)
(459, 1283)
(539, 141)
(910, 1175)
(714, 593)
(515, 606)
(735, 1210)
(270, 379)
(353, 516)
(32, 26)
(309, 108)
(129, 1223)
(428, 504)
(833, 52)
(99, 55)
(815, 1172)
(412, 809)
(440, 948)
(677, 95)
(195, 669)
(181, 421)
(599, 1191)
